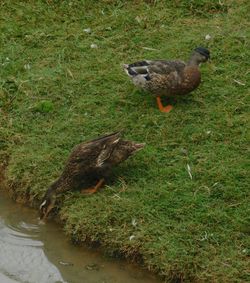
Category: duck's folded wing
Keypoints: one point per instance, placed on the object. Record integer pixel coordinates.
(163, 67)
(95, 152)
(106, 152)
(137, 68)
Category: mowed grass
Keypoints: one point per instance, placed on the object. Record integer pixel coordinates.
(57, 91)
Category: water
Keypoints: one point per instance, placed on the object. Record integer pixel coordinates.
(35, 253)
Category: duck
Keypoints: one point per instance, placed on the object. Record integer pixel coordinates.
(88, 166)
(168, 77)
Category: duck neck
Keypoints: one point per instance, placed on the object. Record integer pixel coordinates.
(193, 62)
(54, 187)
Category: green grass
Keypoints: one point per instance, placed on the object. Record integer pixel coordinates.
(56, 91)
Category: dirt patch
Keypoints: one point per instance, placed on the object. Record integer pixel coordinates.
(9, 187)
(3, 166)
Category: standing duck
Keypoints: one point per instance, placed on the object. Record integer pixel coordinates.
(168, 78)
(89, 163)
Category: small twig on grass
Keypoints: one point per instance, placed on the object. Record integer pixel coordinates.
(149, 48)
(189, 172)
(116, 196)
(238, 82)
(131, 237)
(70, 73)
(134, 223)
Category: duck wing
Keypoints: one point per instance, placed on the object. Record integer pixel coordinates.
(149, 68)
(92, 154)
(137, 68)
(163, 67)
(107, 149)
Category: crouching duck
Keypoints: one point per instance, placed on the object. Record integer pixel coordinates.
(89, 163)
(168, 78)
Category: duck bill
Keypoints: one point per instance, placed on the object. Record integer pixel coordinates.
(138, 146)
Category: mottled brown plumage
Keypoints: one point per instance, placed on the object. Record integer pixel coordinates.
(168, 78)
(89, 164)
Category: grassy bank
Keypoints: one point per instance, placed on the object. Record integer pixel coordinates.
(56, 91)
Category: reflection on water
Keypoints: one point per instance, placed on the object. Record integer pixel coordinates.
(32, 253)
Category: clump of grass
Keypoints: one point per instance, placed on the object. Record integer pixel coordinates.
(186, 228)
(44, 106)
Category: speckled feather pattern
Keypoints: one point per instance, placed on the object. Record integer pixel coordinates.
(174, 83)
(90, 161)
(168, 77)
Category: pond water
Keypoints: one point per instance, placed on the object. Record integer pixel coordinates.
(34, 253)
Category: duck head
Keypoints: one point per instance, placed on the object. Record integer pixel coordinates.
(47, 204)
(199, 55)
(124, 149)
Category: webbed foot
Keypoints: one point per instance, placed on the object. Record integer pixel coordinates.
(162, 108)
(94, 189)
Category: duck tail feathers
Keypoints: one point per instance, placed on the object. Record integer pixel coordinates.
(129, 71)
(137, 68)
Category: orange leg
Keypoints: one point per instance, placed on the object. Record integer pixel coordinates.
(165, 109)
(93, 189)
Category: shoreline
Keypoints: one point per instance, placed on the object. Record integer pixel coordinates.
(179, 206)
(32, 203)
